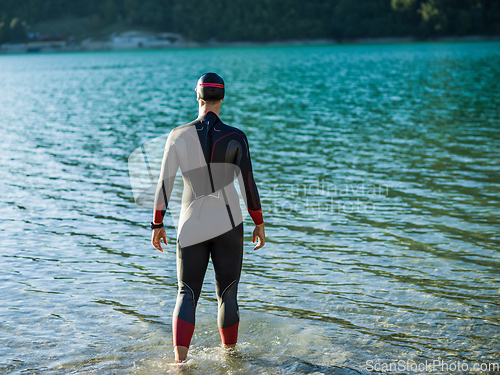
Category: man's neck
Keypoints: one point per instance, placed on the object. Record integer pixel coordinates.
(204, 109)
(203, 112)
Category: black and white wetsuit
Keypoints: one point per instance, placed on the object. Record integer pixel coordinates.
(210, 155)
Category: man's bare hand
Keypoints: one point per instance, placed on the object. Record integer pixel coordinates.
(259, 233)
(156, 237)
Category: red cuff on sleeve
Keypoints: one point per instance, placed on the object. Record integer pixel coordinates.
(256, 216)
(158, 214)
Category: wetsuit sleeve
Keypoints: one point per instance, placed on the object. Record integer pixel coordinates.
(169, 167)
(249, 190)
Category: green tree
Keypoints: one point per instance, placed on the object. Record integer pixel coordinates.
(263, 20)
(14, 31)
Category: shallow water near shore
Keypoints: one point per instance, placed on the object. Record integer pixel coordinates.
(378, 168)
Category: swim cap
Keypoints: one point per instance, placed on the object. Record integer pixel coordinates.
(210, 87)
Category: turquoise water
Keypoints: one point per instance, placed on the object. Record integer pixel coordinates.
(378, 167)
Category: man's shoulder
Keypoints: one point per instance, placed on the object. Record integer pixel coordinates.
(219, 126)
(178, 131)
(230, 129)
(185, 126)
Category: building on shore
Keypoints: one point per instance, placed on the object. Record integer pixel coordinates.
(138, 39)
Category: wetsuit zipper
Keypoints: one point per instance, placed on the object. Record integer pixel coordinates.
(209, 152)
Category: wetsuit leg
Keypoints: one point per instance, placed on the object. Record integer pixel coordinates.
(192, 264)
(227, 256)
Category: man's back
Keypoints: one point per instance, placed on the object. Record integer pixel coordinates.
(210, 154)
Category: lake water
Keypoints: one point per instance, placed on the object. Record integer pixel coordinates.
(378, 167)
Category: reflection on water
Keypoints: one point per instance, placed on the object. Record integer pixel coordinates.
(378, 170)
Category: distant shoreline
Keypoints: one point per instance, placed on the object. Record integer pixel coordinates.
(388, 40)
(60, 46)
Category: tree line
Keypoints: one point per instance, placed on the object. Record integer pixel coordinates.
(264, 20)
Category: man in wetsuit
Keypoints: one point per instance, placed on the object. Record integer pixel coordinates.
(210, 154)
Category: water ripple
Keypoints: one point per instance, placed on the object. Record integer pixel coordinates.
(378, 171)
